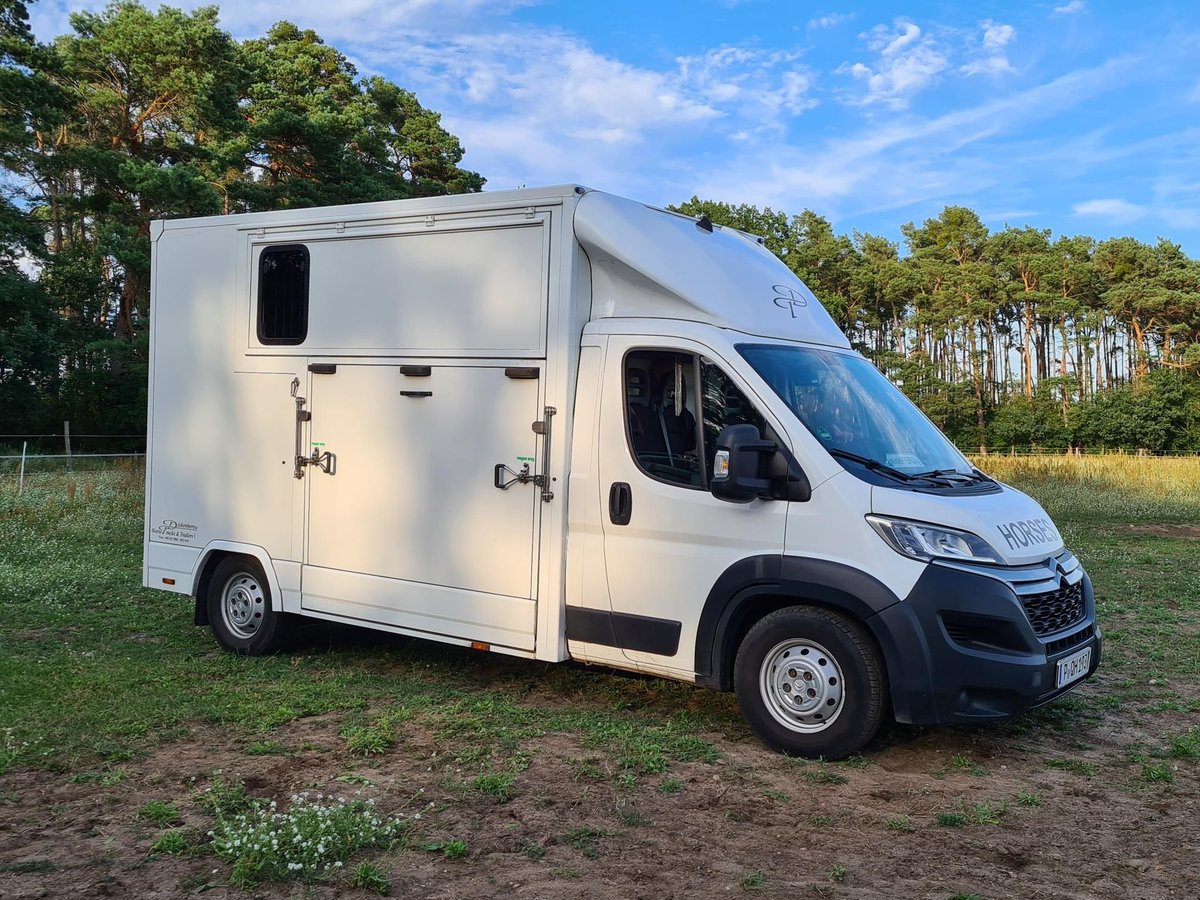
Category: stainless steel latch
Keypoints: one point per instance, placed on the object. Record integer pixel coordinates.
(503, 477)
(325, 461)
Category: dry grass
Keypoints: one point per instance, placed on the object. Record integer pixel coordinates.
(1113, 486)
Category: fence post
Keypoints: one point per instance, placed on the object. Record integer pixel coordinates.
(67, 441)
(21, 477)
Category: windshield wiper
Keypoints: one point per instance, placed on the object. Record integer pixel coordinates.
(950, 474)
(872, 464)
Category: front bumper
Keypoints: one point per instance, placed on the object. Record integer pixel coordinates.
(962, 647)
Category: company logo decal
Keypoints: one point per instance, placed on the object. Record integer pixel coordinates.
(1028, 532)
(789, 298)
(172, 532)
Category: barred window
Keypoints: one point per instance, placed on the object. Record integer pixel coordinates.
(283, 294)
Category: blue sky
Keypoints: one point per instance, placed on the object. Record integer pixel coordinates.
(1080, 116)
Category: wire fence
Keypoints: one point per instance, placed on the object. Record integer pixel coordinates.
(15, 466)
(39, 452)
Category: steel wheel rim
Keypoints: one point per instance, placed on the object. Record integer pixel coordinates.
(243, 605)
(802, 686)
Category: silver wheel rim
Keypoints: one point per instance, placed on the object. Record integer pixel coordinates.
(243, 605)
(802, 686)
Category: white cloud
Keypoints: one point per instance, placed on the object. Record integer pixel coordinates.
(1070, 8)
(908, 61)
(766, 85)
(832, 20)
(907, 161)
(992, 58)
(995, 35)
(554, 83)
(1112, 209)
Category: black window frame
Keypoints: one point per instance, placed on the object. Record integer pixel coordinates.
(697, 415)
(288, 340)
(699, 359)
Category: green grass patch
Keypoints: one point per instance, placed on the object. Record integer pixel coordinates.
(1157, 773)
(586, 840)
(452, 848)
(266, 748)
(225, 799)
(1186, 745)
(753, 881)
(159, 813)
(171, 842)
(1074, 766)
(823, 775)
(497, 785)
(367, 876)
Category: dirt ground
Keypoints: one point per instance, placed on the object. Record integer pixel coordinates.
(1187, 532)
(753, 822)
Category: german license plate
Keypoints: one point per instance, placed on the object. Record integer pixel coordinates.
(1074, 666)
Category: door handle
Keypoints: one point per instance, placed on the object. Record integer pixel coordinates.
(620, 503)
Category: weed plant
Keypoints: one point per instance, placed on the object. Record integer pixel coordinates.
(309, 841)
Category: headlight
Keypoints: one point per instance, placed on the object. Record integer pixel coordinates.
(923, 541)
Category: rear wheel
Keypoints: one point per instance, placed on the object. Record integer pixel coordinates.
(239, 608)
(810, 682)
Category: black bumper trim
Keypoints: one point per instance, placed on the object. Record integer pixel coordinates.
(943, 681)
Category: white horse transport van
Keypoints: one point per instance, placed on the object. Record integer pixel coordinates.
(559, 424)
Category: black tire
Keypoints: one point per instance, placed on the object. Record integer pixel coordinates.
(239, 608)
(810, 682)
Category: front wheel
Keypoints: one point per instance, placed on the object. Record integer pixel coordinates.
(810, 682)
(239, 608)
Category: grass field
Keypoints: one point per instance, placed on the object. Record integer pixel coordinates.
(126, 737)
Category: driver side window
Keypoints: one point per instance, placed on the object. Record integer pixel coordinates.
(660, 404)
(663, 390)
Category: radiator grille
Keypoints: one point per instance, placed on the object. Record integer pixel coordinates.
(1054, 611)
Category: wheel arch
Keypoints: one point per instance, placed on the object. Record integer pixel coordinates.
(757, 586)
(213, 553)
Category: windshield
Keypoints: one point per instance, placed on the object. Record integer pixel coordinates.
(853, 410)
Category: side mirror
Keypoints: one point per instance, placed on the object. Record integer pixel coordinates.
(740, 466)
(746, 466)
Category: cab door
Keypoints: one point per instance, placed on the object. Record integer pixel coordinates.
(667, 539)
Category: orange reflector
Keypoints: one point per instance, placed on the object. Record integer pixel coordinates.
(480, 645)
(168, 581)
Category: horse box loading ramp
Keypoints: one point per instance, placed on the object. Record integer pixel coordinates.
(557, 424)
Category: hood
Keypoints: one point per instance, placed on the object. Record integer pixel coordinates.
(1012, 522)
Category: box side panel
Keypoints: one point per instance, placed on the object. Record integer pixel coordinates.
(220, 441)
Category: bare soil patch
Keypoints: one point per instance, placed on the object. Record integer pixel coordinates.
(864, 830)
(1187, 532)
